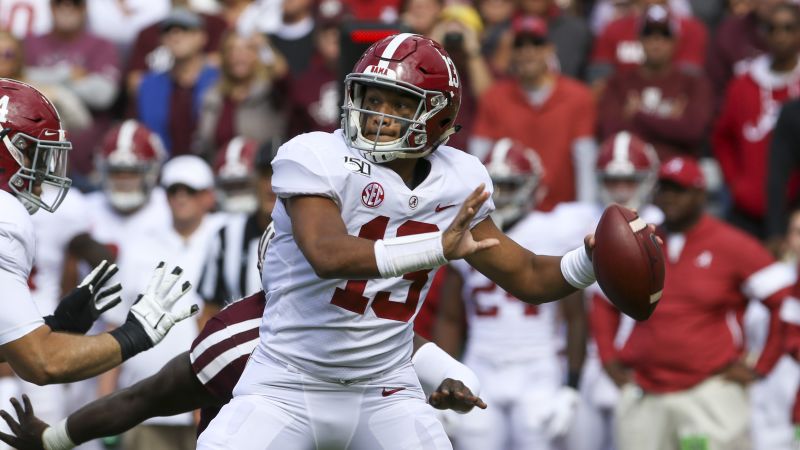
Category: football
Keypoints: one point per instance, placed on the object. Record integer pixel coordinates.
(628, 262)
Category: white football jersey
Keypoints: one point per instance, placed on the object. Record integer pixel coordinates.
(502, 328)
(17, 248)
(354, 329)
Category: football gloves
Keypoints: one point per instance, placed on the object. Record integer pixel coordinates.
(80, 308)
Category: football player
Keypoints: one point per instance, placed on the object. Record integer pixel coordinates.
(203, 378)
(34, 154)
(510, 342)
(365, 214)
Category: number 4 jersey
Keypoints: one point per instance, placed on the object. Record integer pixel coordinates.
(354, 329)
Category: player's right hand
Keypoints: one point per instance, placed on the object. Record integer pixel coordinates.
(28, 431)
(457, 242)
(453, 394)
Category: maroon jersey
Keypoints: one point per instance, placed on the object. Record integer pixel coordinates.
(220, 352)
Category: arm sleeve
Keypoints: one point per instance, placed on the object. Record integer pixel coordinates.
(783, 158)
(20, 315)
(298, 170)
(604, 321)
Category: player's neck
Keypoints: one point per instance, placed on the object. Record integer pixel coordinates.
(412, 171)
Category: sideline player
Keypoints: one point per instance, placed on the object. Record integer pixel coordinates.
(204, 378)
(34, 153)
(365, 213)
(510, 343)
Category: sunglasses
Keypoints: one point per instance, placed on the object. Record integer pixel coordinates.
(176, 188)
(657, 31)
(529, 39)
(773, 28)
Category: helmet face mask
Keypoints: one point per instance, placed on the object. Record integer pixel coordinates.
(42, 164)
(408, 67)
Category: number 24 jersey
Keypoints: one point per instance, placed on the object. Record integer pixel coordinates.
(354, 329)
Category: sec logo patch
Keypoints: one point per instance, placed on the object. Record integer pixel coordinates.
(372, 195)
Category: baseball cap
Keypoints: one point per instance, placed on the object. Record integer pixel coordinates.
(189, 170)
(684, 172)
(183, 18)
(529, 29)
(657, 19)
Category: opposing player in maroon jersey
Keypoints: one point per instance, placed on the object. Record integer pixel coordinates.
(203, 378)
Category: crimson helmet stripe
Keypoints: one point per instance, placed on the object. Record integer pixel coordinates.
(388, 52)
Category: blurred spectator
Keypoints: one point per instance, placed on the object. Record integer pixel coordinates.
(710, 12)
(169, 103)
(783, 162)
(314, 94)
(189, 183)
(569, 34)
(81, 62)
(544, 110)
(420, 15)
(149, 54)
(24, 18)
(682, 372)
(386, 11)
(743, 131)
(244, 186)
(738, 39)
(74, 114)
(258, 16)
(607, 11)
(458, 30)
(294, 39)
(120, 21)
(668, 108)
(244, 102)
(496, 15)
(618, 47)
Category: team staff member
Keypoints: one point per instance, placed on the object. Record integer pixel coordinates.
(682, 371)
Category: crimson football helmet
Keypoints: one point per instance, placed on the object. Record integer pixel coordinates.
(627, 168)
(235, 167)
(36, 149)
(414, 66)
(129, 161)
(516, 172)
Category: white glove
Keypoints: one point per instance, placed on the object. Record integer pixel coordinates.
(565, 405)
(151, 317)
(153, 309)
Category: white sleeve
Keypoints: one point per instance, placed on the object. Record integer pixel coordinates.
(20, 315)
(299, 170)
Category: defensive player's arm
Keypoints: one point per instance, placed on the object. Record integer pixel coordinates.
(527, 276)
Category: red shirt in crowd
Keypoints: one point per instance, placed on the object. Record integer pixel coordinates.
(696, 329)
(743, 132)
(551, 129)
(619, 46)
(672, 111)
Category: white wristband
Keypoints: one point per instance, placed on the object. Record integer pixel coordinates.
(577, 268)
(433, 365)
(57, 438)
(402, 255)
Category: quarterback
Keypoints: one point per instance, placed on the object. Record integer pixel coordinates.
(33, 157)
(365, 214)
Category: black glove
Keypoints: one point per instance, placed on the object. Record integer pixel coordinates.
(80, 308)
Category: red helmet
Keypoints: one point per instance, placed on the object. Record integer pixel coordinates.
(36, 148)
(130, 147)
(625, 157)
(414, 66)
(516, 172)
(235, 167)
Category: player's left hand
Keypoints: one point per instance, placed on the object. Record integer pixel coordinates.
(457, 241)
(28, 431)
(565, 405)
(453, 394)
(80, 308)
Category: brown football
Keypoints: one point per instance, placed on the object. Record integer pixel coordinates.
(628, 262)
